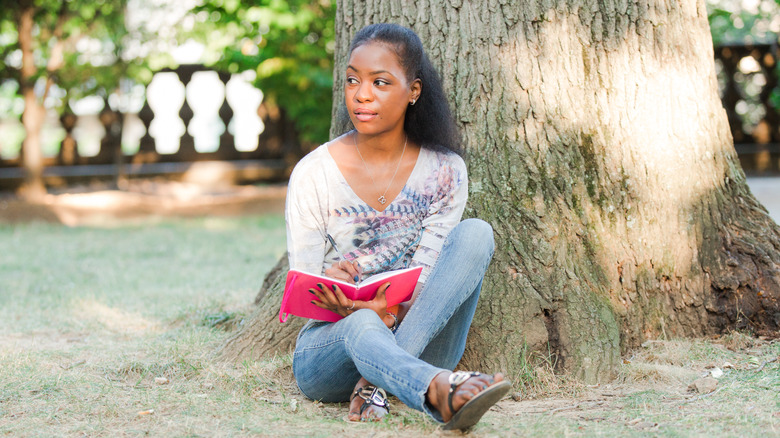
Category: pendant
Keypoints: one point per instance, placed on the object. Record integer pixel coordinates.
(382, 200)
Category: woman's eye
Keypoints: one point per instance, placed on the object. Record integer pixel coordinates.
(381, 82)
(351, 81)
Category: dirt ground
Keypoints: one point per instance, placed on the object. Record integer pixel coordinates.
(103, 205)
(144, 199)
(55, 381)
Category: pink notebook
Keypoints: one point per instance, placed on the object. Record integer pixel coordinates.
(297, 298)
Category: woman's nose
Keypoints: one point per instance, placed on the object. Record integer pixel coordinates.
(364, 93)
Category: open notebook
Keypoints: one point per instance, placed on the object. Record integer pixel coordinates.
(297, 298)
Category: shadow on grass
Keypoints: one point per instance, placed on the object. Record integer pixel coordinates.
(142, 201)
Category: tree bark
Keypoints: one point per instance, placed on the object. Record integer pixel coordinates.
(599, 151)
(34, 113)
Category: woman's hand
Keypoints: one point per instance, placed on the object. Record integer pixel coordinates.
(335, 301)
(345, 271)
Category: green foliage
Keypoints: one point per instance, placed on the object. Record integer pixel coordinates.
(288, 44)
(11, 106)
(734, 21)
(77, 45)
(738, 21)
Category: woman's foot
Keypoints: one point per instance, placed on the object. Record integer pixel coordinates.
(371, 412)
(483, 389)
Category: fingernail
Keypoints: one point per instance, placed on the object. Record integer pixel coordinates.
(312, 301)
(311, 291)
(356, 278)
(321, 286)
(334, 288)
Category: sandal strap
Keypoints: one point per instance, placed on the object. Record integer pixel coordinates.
(355, 394)
(456, 379)
(371, 395)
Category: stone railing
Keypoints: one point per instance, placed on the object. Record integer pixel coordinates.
(188, 122)
(748, 77)
(190, 116)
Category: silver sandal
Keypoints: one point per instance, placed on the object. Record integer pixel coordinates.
(371, 395)
(472, 411)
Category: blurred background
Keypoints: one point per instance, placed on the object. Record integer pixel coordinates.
(113, 94)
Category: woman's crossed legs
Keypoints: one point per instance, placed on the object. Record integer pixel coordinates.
(413, 364)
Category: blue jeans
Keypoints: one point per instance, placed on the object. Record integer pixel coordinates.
(329, 357)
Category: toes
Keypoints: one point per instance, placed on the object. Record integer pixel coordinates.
(466, 391)
(354, 411)
(373, 414)
(470, 388)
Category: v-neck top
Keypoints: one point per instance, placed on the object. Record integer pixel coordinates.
(409, 232)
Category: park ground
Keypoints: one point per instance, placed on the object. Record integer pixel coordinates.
(109, 327)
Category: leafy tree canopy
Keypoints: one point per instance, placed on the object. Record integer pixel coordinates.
(288, 44)
(746, 22)
(76, 45)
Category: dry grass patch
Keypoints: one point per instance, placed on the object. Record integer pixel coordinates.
(111, 332)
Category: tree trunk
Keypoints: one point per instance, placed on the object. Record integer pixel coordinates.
(34, 113)
(599, 151)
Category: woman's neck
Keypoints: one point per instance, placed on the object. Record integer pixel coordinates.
(380, 147)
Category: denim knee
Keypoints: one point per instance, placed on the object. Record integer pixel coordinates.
(477, 235)
(362, 320)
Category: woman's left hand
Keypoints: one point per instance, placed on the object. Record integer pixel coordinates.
(335, 301)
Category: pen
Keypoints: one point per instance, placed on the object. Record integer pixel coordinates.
(333, 244)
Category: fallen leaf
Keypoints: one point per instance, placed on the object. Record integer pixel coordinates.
(728, 365)
(72, 365)
(716, 373)
(294, 405)
(646, 425)
(161, 380)
(704, 385)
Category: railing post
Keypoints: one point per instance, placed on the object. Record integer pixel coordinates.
(186, 143)
(227, 147)
(147, 153)
(112, 140)
(69, 152)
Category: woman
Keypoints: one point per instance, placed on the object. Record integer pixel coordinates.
(390, 194)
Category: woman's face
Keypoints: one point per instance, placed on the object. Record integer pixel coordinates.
(376, 90)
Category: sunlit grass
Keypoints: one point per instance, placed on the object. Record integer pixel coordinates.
(74, 278)
(112, 332)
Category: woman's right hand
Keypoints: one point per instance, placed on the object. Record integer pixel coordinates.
(345, 271)
(335, 301)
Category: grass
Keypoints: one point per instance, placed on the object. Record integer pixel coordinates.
(111, 332)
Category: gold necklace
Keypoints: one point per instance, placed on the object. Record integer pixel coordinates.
(382, 200)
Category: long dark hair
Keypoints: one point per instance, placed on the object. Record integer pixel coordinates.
(429, 121)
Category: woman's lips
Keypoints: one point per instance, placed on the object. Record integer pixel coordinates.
(364, 115)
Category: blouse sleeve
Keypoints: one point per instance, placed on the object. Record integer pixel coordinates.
(444, 213)
(305, 215)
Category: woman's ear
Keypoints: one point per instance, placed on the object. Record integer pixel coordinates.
(416, 89)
